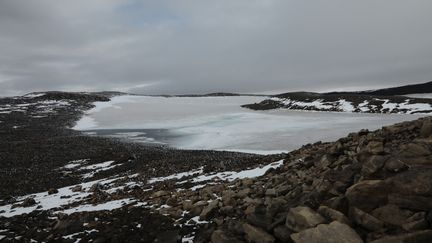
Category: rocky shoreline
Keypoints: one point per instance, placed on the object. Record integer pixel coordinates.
(345, 102)
(366, 187)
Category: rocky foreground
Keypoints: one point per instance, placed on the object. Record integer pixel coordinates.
(366, 187)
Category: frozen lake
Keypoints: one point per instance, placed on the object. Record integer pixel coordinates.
(220, 123)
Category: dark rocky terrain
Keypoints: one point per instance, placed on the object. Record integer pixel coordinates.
(371, 186)
(389, 100)
(37, 142)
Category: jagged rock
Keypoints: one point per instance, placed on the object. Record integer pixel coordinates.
(220, 236)
(374, 164)
(391, 214)
(334, 232)
(333, 215)
(404, 183)
(424, 236)
(28, 202)
(366, 220)
(160, 194)
(416, 222)
(375, 147)
(52, 191)
(270, 192)
(76, 188)
(209, 210)
(368, 194)
(187, 205)
(228, 198)
(415, 150)
(243, 193)
(257, 235)
(301, 218)
(395, 165)
(171, 236)
(227, 210)
(411, 202)
(259, 217)
(426, 128)
(339, 203)
(282, 233)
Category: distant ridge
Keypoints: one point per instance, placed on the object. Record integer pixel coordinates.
(388, 100)
(422, 88)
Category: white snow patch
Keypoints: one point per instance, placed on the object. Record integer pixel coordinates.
(364, 106)
(176, 176)
(34, 95)
(232, 175)
(75, 163)
(44, 201)
(99, 207)
(346, 106)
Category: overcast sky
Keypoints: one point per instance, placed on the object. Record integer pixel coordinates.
(199, 46)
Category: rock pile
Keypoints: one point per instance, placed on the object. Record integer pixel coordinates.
(366, 187)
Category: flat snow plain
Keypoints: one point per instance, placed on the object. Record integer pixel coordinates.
(219, 123)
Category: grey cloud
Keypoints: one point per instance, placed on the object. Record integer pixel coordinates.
(192, 46)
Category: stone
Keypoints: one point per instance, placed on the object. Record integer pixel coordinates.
(227, 210)
(373, 164)
(416, 222)
(411, 202)
(52, 191)
(243, 193)
(375, 147)
(426, 129)
(282, 234)
(395, 165)
(76, 188)
(391, 214)
(259, 217)
(160, 194)
(423, 236)
(257, 235)
(209, 211)
(334, 232)
(219, 236)
(333, 215)
(413, 182)
(28, 202)
(416, 225)
(270, 192)
(415, 150)
(187, 205)
(301, 218)
(366, 220)
(368, 194)
(171, 236)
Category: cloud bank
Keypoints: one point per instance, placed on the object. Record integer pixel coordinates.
(199, 46)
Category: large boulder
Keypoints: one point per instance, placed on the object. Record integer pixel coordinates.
(426, 128)
(335, 232)
(208, 211)
(257, 235)
(366, 220)
(301, 218)
(368, 194)
(411, 201)
(373, 164)
(333, 215)
(424, 236)
(392, 214)
(413, 182)
(219, 236)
